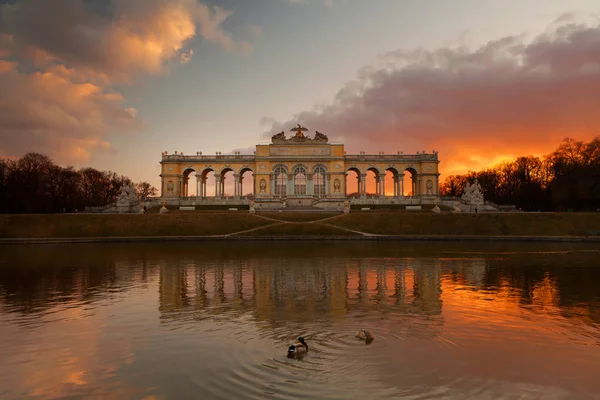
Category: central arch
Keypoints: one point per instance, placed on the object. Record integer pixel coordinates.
(319, 181)
(299, 180)
(280, 181)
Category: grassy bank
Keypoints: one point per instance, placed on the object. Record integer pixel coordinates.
(299, 229)
(520, 224)
(297, 224)
(106, 225)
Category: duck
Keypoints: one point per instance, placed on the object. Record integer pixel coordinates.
(365, 335)
(299, 347)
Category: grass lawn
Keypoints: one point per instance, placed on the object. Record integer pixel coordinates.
(107, 225)
(297, 224)
(300, 229)
(521, 224)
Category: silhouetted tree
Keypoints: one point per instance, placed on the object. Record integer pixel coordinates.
(568, 178)
(34, 184)
(145, 190)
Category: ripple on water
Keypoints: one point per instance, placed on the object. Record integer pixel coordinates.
(260, 367)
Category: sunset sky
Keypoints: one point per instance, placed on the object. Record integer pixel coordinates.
(112, 84)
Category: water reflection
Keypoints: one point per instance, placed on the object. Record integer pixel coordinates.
(189, 320)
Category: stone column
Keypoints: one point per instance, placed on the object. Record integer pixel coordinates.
(437, 185)
(401, 183)
(363, 185)
(180, 191)
(382, 185)
(310, 184)
(236, 185)
(217, 185)
(198, 186)
(162, 187)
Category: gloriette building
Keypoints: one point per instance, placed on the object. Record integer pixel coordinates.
(301, 171)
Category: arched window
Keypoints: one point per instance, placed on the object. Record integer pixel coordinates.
(300, 180)
(319, 181)
(280, 181)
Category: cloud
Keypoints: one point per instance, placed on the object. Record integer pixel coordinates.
(507, 98)
(46, 110)
(57, 73)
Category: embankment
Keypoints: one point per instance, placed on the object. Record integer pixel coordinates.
(243, 226)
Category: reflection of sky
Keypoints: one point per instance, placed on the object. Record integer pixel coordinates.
(153, 324)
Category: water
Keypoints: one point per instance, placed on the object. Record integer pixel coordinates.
(214, 321)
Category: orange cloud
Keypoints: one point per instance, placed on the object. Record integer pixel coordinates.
(46, 110)
(476, 107)
(65, 108)
(7, 66)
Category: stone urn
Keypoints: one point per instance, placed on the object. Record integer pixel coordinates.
(163, 209)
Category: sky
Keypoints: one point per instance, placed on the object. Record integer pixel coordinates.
(113, 83)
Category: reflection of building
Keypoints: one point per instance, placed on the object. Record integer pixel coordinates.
(302, 291)
(300, 170)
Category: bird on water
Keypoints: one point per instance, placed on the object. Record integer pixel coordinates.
(365, 335)
(300, 347)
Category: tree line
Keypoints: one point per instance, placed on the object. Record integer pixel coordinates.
(35, 184)
(566, 179)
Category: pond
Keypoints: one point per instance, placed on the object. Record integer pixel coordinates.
(214, 320)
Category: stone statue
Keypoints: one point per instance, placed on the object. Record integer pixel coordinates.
(127, 195)
(319, 137)
(477, 195)
(346, 207)
(252, 210)
(299, 132)
(278, 137)
(170, 187)
(336, 186)
(127, 201)
(163, 209)
(436, 206)
(467, 193)
(263, 186)
(472, 194)
(429, 186)
(299, 136)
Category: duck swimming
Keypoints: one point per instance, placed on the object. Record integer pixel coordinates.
(299, 347)
(365, 335)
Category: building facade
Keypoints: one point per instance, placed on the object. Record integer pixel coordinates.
(302, 169)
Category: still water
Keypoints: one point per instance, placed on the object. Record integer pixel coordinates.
(214, 321)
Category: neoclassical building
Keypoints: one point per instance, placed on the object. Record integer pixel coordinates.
(302, 170)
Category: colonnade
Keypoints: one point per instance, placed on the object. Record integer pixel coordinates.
(201, 181)
(398, 182)
(310, 188)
